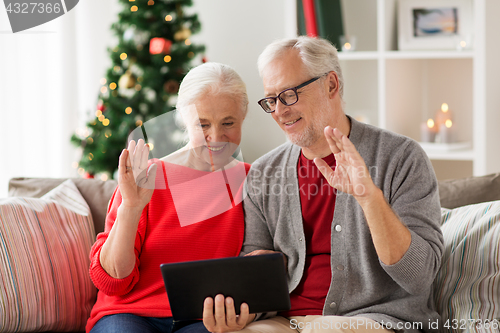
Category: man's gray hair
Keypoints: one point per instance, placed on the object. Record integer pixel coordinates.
(318, 55)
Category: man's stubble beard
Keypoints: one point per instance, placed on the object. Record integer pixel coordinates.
(314, 131)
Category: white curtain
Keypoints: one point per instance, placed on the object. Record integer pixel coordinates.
(49, 80)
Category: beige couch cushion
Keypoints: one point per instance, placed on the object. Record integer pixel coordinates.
(466, 191)
(95, 192)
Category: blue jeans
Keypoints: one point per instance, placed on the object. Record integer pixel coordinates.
(129, 323)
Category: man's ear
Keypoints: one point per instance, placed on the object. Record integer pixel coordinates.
(333, 84)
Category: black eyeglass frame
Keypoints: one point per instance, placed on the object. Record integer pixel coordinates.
(294, 89)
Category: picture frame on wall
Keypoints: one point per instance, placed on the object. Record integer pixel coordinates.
(434, 24)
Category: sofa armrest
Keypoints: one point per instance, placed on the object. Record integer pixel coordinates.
(95, 192)
(466, 191)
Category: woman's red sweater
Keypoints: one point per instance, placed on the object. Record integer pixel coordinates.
(192, 215)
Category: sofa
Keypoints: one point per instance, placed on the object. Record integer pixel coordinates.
(47, 226)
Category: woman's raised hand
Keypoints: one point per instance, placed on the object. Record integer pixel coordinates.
(136, 180)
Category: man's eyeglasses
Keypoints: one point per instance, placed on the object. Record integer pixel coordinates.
(287, 97)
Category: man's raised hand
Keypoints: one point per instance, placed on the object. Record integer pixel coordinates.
(351, 175)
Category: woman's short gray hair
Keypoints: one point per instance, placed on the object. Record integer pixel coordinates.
(211, 78)
(318, 55)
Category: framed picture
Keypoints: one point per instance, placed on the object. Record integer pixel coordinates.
(434, 24)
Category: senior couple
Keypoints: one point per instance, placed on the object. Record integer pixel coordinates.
(362, 247)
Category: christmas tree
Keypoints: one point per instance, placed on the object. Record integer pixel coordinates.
(153, 54)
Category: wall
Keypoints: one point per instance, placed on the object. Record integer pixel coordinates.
(235, 33)
(360, 21)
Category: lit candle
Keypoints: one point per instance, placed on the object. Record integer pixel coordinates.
(348, 43)
(428, 131)
(446, 132)
(443, 115)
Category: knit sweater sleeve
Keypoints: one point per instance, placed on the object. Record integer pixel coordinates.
(413, 196)
(101, 279)
(257, 234)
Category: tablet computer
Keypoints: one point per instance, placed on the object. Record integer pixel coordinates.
(260, 281)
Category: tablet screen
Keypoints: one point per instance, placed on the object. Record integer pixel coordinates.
(260, 281)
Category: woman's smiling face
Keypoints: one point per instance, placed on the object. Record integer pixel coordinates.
(214, 128)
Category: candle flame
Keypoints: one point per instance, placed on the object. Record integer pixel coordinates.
(430, 123)
(444, 107)
(347, 46)
(448, 123)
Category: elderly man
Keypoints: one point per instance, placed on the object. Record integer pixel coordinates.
(353, 208)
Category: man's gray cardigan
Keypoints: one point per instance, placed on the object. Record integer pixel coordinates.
(361, 284)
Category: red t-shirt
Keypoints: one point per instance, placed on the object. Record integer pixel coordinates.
(192, 215)
(317, 199)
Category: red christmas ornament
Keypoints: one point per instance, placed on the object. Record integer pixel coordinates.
(159, 45)
(101, 107)
(88, 175)
(204, 59)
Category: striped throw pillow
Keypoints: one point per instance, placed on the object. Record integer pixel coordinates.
(467, 287)
(44, 261)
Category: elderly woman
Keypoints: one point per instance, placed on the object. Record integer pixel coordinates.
(173, 209)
